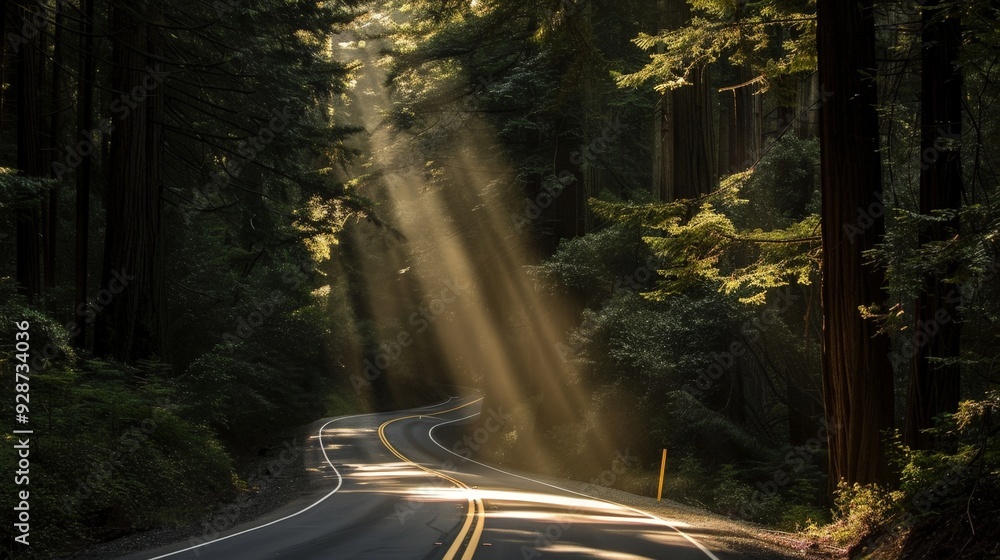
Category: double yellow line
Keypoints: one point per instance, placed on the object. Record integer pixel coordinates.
(474, 518)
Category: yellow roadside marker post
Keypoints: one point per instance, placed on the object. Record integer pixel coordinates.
(663, 469)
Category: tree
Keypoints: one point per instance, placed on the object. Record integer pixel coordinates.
(85, 113)
(857, 378)
(29, 150)
(935, 371)
(684, 145)
(50, 212)
(129, 327)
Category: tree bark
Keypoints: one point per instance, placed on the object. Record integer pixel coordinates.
(857, 377)
(934, 387)
(744, 142)
(129, 327)
(85, 112)
(694, 145)
(29, 156)
(663, 149)
(808, 98)
(52, 210)
(686, 162)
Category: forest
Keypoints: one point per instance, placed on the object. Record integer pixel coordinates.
(761, 235)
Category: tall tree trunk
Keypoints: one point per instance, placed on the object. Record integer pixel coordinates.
(934, 386)
(694, 144)
(685, 159)
(663, 149)
(129, 327)
(808, 98)
(744, 142)
(85, 112)
(725, 120)
(857, 377)
(52, 210)
(570, 206)
(29, 157)
(3, 65)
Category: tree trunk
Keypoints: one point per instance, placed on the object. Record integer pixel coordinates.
(934, 386)
(694, 145)
(685, 159)
(29, 158)
(663, 149)
(745, 122)
(725, 121)
(129, 326)
(85, 111)
(52, 210)
(808, 98)
(857, 377)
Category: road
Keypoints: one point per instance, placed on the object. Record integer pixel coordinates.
(388, 489)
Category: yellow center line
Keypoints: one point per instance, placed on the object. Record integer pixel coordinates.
(476, 508)
(477, 533)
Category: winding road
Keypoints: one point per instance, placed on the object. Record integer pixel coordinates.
(388, 488)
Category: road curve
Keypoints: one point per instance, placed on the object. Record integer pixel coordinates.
(389, 488)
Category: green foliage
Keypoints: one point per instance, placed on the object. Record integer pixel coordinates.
(110, 441)
(657, 345)
(763, 213)
(18, 192)
(781, 189)
(596, 266)
(774, 38)
(859, 510)
(934, 485)
(688, 427)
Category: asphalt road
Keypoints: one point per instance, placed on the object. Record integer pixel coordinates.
(387, 489)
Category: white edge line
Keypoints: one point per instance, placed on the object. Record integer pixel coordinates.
(340, 482)
(691, 539)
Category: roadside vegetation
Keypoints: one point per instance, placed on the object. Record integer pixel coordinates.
(632, 225)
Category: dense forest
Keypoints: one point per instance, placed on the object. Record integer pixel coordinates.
(761, 235)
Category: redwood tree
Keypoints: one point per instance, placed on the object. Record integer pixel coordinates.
(129, 327)
(857, 377)
(684, 143)
(935, 372)
(29, 151)
(85, 101)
